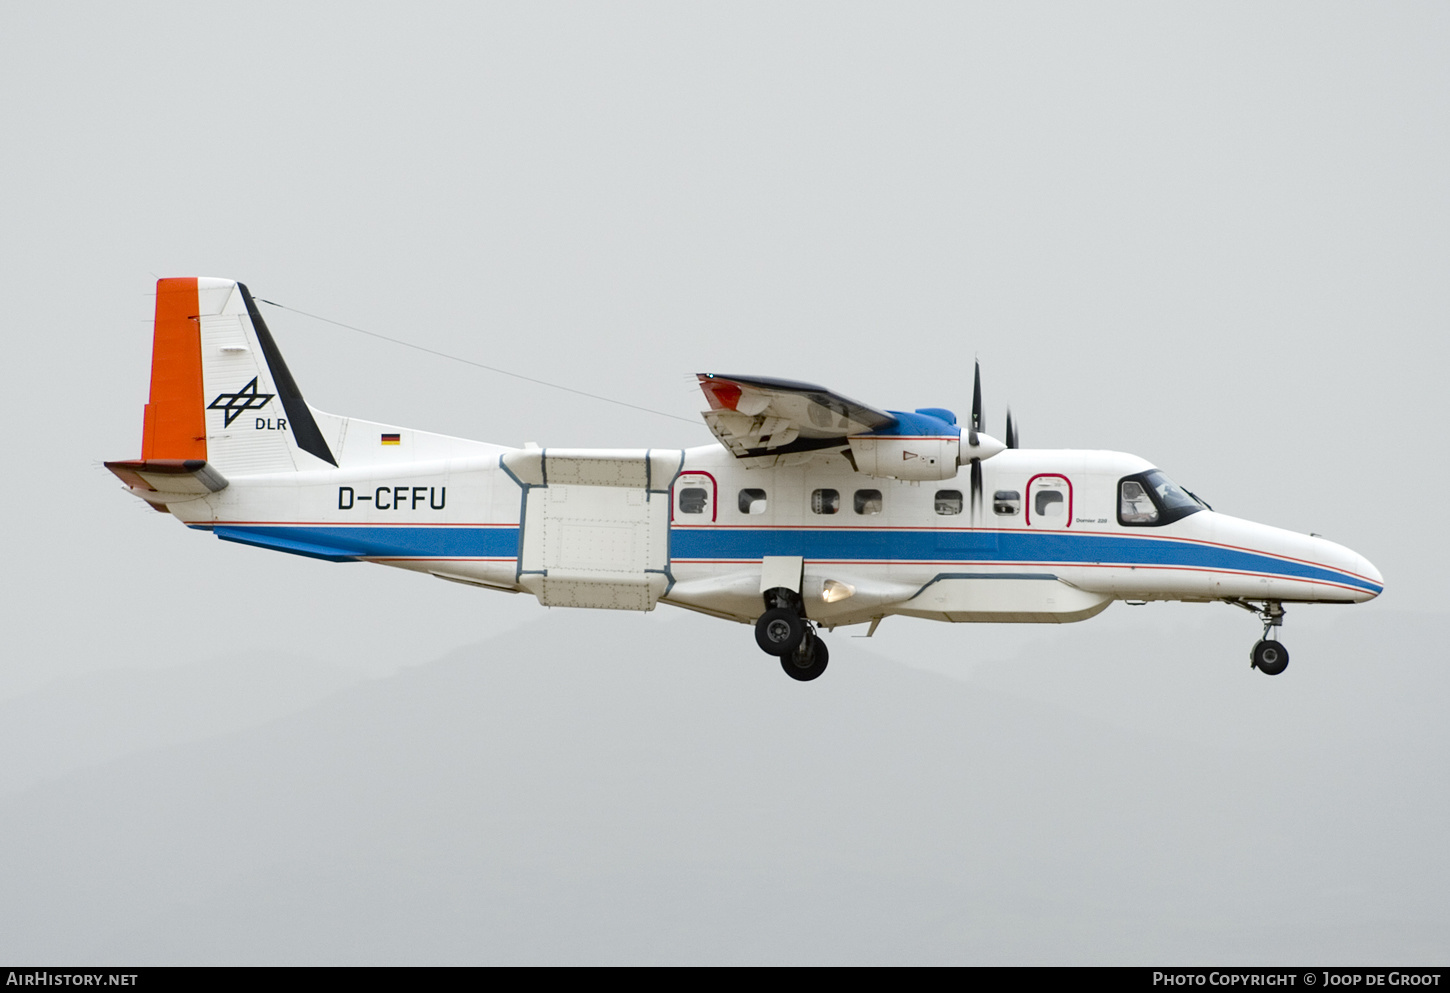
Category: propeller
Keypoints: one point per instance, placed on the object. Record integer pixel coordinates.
(980, 445)
(975, 424)
(976, 486)
(1011, 431)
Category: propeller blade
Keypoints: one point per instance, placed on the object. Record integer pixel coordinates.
(976, 487)
(1011, 430)
(975, 424)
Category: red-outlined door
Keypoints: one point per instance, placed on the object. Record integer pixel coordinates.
(1049, 501)
(696, 499)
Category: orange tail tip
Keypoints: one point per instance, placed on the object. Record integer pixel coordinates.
(174, 426)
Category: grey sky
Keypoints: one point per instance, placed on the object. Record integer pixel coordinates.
(1213, 235)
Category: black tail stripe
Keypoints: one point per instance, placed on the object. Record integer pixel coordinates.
(299, 416)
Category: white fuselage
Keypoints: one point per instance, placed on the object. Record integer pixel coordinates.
(695, 528)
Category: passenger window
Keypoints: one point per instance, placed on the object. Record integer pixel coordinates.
(868, 501)
(948, 502)
(692, 500)
(1048, 503)
(825, 501)
(1006, 502)
(752, 501)
(1135, 506)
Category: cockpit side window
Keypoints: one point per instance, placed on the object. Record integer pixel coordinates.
(1150, 499)
(1135, 506)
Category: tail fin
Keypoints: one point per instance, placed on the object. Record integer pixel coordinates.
(220, 390)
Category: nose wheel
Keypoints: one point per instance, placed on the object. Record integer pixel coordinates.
(1268, 655)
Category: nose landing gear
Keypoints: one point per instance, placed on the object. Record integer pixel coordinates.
(784, 631)
(1268, 655)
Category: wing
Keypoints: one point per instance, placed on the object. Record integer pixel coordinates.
(755, 416)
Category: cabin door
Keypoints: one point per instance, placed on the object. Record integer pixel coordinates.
(695, 499)
(1049, 502)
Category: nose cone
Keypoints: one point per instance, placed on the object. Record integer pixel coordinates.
(1348, 560)
(1364, 567)
(1287, 565)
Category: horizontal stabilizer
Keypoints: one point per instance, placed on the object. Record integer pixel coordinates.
(175, 478)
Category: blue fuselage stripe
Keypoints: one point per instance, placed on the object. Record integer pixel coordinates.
(989, 546)
(828, 544)
(396, 542)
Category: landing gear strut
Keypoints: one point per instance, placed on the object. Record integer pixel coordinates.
(784, 632)
(1268, 655)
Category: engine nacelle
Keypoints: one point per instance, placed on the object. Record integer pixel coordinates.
(906, 457)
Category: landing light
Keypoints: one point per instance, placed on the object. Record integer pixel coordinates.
(834, 591)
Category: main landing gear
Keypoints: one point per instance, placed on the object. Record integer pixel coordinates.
(784, 632)
(1268, 655)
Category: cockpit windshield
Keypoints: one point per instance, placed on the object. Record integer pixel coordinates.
(1169, 493)
(1151, 499)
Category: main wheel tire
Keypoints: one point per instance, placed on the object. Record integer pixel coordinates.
(1270, 657)
(807, 662)
(779, 631)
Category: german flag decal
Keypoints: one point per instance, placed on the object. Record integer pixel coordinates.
(392, 439)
